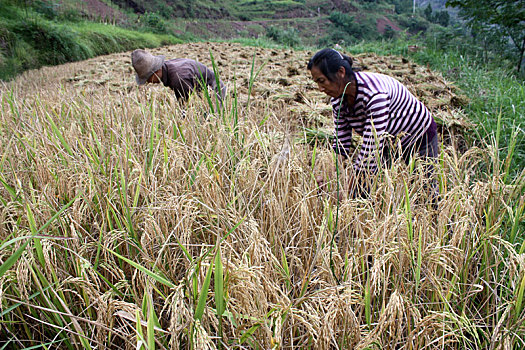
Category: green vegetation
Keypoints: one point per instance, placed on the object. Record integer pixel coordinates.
(30, 40)
(47, 32)
(287, 37)
(499, 23)
(128, 221)
(346, 29)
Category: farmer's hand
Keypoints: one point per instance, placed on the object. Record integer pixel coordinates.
(324, 179)
(321, 181)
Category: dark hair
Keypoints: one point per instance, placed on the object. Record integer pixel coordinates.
(329, 60)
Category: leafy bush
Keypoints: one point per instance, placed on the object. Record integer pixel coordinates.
(442, 18)
(415, 24)
(402, 6)
(439, 17)
(49, 9)
(337, 36)
(287, 37)
(154, 22)
(70, 15)
(483, 49)
(245, 17)
(347, 29)
(347, 23)
(56, 44)
(389, 32)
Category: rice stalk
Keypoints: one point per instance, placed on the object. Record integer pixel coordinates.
(165, 201)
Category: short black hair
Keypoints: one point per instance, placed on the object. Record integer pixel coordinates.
(329, 60)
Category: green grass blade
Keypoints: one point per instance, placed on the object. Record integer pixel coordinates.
(218, 104)
(141, 268)
(368, 303)
(6, 265)
(59, 135)
(519, 299)
(151, 324)
(219, 283)
(151, 144)
(410, 229)
(9, 189)
(246, 335)
(253, 76)
(199, 311)
(417, 275)
(140, 333)
(38, 244)
(219, 291)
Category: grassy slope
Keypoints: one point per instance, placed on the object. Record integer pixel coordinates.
(30, 41)
(235, 9)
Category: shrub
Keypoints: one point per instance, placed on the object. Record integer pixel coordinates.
(402, 6)
(287, 37)
(389, 32)
(365, 28)
(70, 15)
(442, 18)
(56, 44)
(336, 36)
(245, 17)
(31, 42)
(49, 9)
(414, 24)
(346, 23)
(153, 22)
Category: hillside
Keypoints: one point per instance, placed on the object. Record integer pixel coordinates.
(46, 32)
(309, 20)
(238, 9)
(206, 19)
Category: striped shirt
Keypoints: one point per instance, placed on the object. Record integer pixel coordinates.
(383, 106)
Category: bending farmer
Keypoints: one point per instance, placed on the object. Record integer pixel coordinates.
(182, 75)
(373, 105)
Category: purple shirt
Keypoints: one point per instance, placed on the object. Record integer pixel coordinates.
(183, 75)
(383, 106)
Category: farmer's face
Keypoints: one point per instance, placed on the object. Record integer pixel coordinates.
(155, 77)
(329, 87)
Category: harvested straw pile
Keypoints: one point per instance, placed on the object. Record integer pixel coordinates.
(206, 229)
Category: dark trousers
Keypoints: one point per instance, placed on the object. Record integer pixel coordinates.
(425, 148)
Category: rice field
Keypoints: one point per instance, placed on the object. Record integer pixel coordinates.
(130, 221)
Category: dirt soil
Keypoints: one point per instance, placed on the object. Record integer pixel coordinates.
(383, 22)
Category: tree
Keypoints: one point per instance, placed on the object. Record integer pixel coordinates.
(505, 18)
(428, 12)
(442, 18)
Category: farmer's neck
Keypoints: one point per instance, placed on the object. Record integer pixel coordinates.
(351, 92)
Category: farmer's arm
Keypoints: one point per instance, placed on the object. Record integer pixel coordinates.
(342, 133)
(373, 134)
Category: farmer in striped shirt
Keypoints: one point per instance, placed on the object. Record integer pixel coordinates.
(375, 106)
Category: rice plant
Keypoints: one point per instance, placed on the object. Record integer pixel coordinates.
(129, 221)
